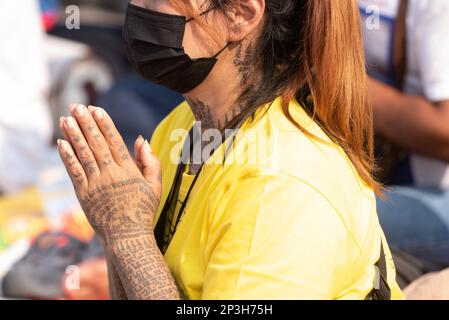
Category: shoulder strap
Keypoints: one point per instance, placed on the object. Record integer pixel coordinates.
(381, 289)
(400, 44)
(383, 292)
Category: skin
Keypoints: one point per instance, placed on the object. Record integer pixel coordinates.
(412, 122)
(120, 196)
(93, 282)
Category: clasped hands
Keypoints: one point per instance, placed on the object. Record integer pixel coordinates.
(119, 196)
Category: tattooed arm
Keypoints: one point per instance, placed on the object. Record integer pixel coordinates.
(120, 198)
(131, 261)
(143, 271)
(116, 290)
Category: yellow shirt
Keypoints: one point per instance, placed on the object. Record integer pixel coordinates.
(296, 223)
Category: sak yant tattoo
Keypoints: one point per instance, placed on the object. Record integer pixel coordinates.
(119, 212)
(244, 60)
(142, 269)
(116, 289)
(202, 112)
(107, 205)
(120, 200)
(120, 197)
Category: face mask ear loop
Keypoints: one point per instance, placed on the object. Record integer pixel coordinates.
(221, 51)
(201, 14)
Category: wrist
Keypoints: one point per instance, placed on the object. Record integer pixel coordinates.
(129, 246)
(126, 230)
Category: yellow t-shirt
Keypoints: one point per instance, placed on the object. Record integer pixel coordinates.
(286, 216)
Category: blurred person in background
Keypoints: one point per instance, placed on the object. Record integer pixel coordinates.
(25, 121)
(147, 104)
(408, 61)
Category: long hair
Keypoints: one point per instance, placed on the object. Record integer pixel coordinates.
(313, 50)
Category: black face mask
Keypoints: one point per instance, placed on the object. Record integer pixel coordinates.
(154, 48)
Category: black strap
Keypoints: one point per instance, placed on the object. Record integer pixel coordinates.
(382, 290)
(160, 234)
(159, 230)
(202, 14)
(172, 198)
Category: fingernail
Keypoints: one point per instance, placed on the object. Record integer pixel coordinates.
(58, 142)
(79, 110)
(98, 113)
(72, 107)
(62, 144)
(61, 119)
(70, 122)
(147, 147)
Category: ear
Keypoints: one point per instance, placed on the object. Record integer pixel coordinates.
(244, 17)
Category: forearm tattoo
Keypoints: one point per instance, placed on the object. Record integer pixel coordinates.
(143, 271)
(119, 212)
(116, 289)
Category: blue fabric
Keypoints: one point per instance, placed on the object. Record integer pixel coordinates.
(416, 220)
(49, 5)
(403, 175)
(389, 77)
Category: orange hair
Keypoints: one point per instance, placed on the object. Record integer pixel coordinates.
(328, 60)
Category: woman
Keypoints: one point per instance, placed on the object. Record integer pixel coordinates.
(285, 209)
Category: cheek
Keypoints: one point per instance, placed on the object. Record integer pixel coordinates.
(164, 6)
(202, 43)
(139, 3)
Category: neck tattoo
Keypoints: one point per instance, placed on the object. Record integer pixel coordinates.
(203, 112)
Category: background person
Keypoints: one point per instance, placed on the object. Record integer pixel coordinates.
(408, 61)
(25, 121)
